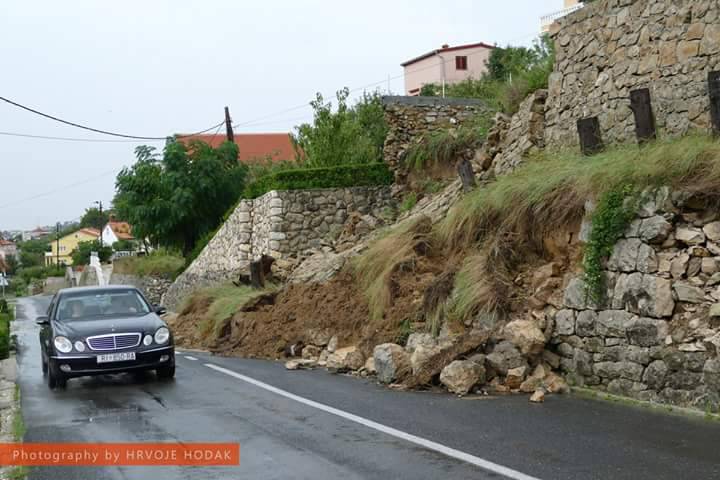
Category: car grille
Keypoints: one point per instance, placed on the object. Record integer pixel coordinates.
(114, 341)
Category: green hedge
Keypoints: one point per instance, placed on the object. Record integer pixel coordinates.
(351, 175)
(4, 335)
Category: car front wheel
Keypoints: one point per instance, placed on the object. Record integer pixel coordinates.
(55, 378)
(166, 372)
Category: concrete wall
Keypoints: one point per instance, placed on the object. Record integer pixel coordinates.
(611, 47)
(280, 224)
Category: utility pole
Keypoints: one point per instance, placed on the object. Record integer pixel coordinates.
(57, 245)
(228, 126)
(101, 228)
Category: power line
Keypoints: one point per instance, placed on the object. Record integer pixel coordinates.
(67, 139)
(59, 189)
(92, 129)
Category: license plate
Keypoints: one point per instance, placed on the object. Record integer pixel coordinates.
(116, 357)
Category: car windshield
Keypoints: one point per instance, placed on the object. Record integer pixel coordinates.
(101, 303)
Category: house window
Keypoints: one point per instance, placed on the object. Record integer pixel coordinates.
(461, 62)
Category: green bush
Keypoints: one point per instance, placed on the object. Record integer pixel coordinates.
(331, 177)
(4, 335)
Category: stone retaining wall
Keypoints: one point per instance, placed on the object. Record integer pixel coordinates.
(612, 47)
(153, 287)
(410, 118)
(656, 334)
(281, 224)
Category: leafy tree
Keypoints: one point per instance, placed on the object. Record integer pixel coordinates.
(123, 245)
(176, 199)
(32, 252)
(11, 262)
(81, 254)
(94, 219)
(347, 135)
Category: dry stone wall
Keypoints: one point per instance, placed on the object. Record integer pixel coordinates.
(656, 334)
(153, 287)
(409, 119)
(282, 224)
(612, 47)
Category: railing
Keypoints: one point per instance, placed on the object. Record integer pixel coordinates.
(123, 253)
(550, 18)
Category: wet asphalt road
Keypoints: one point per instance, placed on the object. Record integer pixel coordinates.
(565, 438)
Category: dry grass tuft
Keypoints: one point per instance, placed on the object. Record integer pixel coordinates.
(398, 249)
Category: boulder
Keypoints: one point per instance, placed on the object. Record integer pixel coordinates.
(369, 366)
(690, 236)
(688, 293)
(317, 336)
(654, 229)
(420, 355)
(624, 255)
(612, 323)
(504, 357)
(526, 335)
(645, 295)
(646, 332)
(585, 323)
(554, 383)
(712, 231)
(678, 266)
(332, 344)
(311, 352)
(515, 377)
(391, 362)
(565, 322)
(346, 358)
(461, 375)
(298, 364)
(538, 396)
(655, 373)
(416, 339)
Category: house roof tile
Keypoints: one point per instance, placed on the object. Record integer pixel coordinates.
(445, 49)
(253, 146)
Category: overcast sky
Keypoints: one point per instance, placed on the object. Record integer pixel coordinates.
(153, 68)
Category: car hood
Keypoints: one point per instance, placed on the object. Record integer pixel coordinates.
(80, 329)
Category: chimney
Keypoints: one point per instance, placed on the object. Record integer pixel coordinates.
(444, 46)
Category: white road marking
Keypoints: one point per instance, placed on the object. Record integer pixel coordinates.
(429, 444)
(190, 358)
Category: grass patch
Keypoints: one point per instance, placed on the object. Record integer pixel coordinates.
(160, 264)
(395, 249)
(4, 335)
(444, 147)
(222, 302)
(508, 219)
(550, 190)
(409, 201)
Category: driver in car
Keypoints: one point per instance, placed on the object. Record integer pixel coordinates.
(76, 309)
(121, 305)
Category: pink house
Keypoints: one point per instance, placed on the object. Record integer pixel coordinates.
(446, 65)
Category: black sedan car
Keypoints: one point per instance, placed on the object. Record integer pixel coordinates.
(102, 330)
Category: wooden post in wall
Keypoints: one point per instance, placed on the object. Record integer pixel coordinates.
(590, 136)
(467, 176)
(644, 119)
(714, 93)
(228, 126)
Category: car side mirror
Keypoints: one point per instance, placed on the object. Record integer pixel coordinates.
(44, 320)
(160, 310)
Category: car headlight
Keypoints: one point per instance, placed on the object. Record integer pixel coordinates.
(162, 335)
(79, 346)
(148, 340)
(63, 345)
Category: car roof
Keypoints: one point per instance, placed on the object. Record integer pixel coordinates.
(96, 289)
